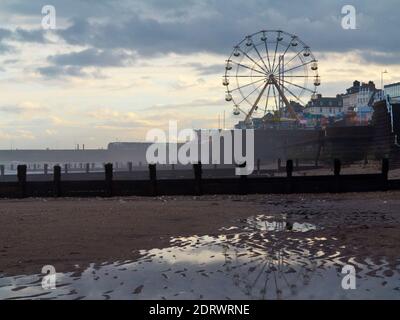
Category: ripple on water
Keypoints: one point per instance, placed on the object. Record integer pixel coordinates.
(248, 262)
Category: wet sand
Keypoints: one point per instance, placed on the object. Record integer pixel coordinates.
(69, 232)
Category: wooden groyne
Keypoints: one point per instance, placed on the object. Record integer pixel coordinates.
(197, 184)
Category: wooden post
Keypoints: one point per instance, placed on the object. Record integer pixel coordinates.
(336, 171)
(289, 168)
(45, 168)
(258, 166)
(289, 174)
(66, 168)
(21, 174)
(385, 168)
(109, 179)
(2, 170)
(87, 167)
(243, 180)
(57, 180)
(153, 179)
(130, 166)
(173, 167)
(197, 177)
(336, 167)
(279, 165)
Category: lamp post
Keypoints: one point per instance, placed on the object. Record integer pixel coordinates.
(382, 73)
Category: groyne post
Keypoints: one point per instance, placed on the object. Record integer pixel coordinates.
(289, 168)
(289, 174)
(337, 166)
(66, 168)
(258, 166)
(57, 180)
(21, 174)
(197, 177)
(130, 166)
(385, 168)
(243, 181)
(153, 179)
(385, 173)
(2, 170)
(279, 165)
(45, 168)
(108, 169)
(87, 167)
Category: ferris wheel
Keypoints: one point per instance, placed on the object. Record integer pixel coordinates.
(267, 72)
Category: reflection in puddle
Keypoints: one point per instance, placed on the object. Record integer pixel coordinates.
(263, 260)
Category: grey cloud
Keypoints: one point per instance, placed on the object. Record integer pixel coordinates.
(206, 70)
(318, 24)
(381, 57)
(57, 71)
(93, 57)
(36, 35)
(53, 72)
(155, 27)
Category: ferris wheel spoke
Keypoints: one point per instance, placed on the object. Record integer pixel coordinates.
(266, 101)
(266, 50)
(255, 62)
(298, 53)
(276, 103)
(287, 48)
(258, 53)
(245, 98)
(296, 85)
(247, 67)
(250, 76)
(246, 85)
(288, 90)
(304, 76)
(276, 49)
(299, 66)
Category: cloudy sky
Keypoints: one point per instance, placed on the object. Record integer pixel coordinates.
(113, 69)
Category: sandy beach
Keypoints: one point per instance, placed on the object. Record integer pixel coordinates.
(70, 232)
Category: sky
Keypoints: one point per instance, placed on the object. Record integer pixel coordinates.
(113, 69)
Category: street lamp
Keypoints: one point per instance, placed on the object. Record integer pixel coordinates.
(382, 73)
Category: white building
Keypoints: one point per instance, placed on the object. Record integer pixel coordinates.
(360, 95)
(325, 106)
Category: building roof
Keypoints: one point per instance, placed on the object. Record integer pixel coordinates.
(326, 102)
(392, 85)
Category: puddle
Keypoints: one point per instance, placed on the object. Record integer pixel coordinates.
(264, 259)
